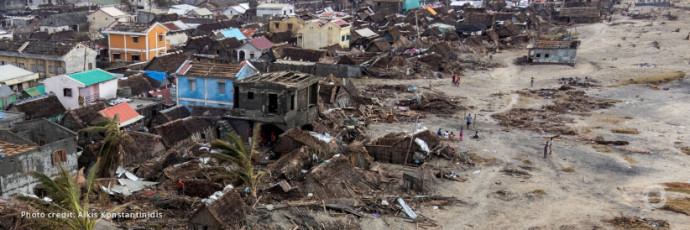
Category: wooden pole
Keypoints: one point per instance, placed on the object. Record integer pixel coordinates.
(411, 139)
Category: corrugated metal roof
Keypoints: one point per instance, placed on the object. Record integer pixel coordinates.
(112, 11)
(233, 33)
(271, 6)
(92, 77)
(125, 113)
(261, 43)
(366, 32)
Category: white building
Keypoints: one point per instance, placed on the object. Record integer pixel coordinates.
(200, 13)
(77, 89)
(16, 78)
(105, 16)
(181, 9)
(236, 10)
(274, 9)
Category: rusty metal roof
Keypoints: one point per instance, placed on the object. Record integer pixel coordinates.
(282, 78)
(556, 44)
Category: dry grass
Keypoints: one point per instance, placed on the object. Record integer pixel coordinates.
(678, 205)
(685, 149)
(678, 190)
(602, 148)
(632, 149)
(626, 131)
(538, 192)
(637, 223)
(677, 185)
(615, 119)
(654, 79)
(568, 169)
(629, 159)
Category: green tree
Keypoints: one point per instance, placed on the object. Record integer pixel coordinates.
(111, 153)
(234, 152)
(67, 197)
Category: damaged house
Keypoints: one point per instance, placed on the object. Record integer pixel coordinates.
(42, 107)
(396, 147)
(553, 52)
(186, 131)
(209, 83)
(37, 145)
(282, 99)
(48, 58)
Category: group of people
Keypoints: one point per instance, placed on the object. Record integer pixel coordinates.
(449, 136)
(456, 80)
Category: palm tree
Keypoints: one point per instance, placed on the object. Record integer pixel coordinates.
(234, 152)
(66, 197)
(111, 153)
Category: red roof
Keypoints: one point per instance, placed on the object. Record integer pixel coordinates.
(171, 26)
(124, 112)
(261, 43)
(166, 95)
(248, 32)
(341, 23)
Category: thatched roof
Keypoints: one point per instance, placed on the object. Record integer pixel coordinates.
(87, 115)
(197, 124)
(295, 138)
(176, 112)
(483, 18)
(443, 48)
(172, 132)
(42, 107)
(138, 83)
(299, 54)
(229, 210)
(207, 111)
(580, 12)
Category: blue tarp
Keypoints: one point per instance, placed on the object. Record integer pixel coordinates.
(233, 33)
(158, 76)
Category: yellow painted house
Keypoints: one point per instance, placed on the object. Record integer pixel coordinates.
(317, 34)
(292, 24)
(130, 42)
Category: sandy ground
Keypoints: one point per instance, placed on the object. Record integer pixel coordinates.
(603, 185)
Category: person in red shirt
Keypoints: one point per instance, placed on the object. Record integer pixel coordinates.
(180, 187)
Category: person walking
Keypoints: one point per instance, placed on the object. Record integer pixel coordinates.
(457, 81)
(440, 134)
(551, 146)
(461, 134)
(445, 136)
(251, 133)
(452, 136)
(453, 80)
(531, 84)
(546, 149)
(180, 187)
(469, 120)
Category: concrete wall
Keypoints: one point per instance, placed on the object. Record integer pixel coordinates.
(286, 10)
(282, 26)
(250, 52)
(53, 29)
(13, 169)
(178, 38)
(339, 71)
(99, 20)
(80, 59)
(47, 66)
(206, 92)
(553, 56)
(316, 37)
(108, 89)
(57, 85)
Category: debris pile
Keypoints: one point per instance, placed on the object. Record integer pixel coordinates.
(552, 118)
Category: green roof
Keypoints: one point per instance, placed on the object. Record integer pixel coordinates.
(36, 91)
(92, 76)
(107, 2)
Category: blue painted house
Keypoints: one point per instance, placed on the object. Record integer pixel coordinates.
(209, 84)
